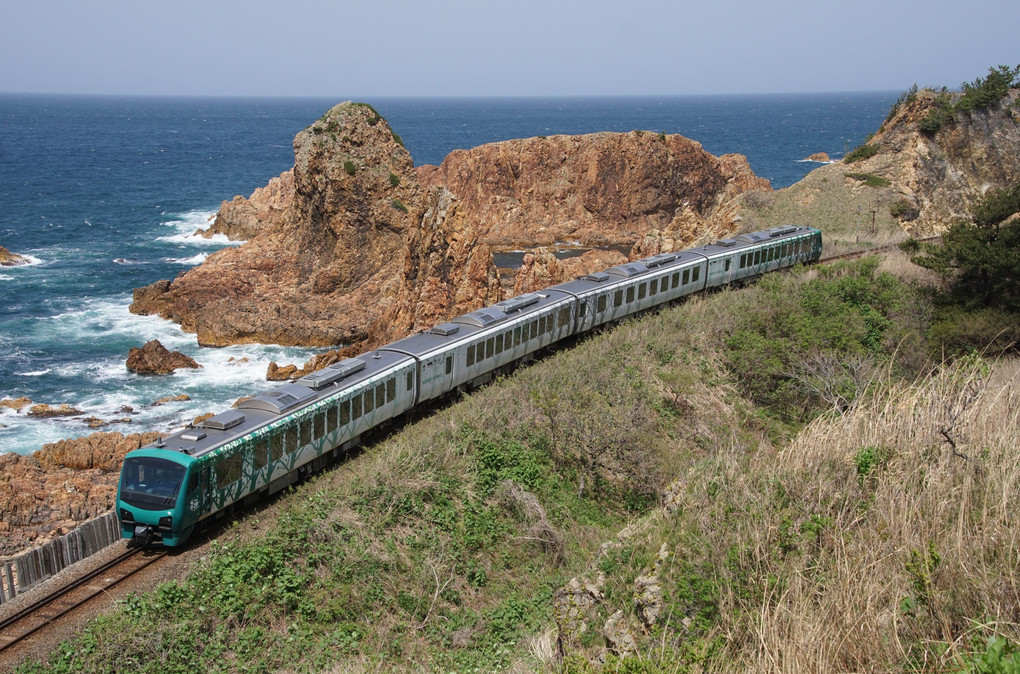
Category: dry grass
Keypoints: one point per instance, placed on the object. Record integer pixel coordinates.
(917, 560)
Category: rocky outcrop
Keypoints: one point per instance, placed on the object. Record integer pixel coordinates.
(9, 259)
(242, 219)
(47, 493)
(45, 411)
(819, 156)
(154, 358)
(940, 176)
(598, 189)
(325, 263)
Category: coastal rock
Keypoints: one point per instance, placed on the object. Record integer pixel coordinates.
(45, 411)
(169, 399)
(16, 404)
(942, 175)
(154, 358)
(597, 189)
(9, 259)
(62, 484)
(541, 268)
(325, 263)
(819, 156)
(242, 219)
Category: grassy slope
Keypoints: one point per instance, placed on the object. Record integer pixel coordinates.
(627, 498)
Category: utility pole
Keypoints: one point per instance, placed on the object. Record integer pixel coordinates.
(874, 210)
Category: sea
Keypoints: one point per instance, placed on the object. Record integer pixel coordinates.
(104, 195)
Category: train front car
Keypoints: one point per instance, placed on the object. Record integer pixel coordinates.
(151, 498)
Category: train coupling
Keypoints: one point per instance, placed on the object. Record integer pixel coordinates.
(143, 535)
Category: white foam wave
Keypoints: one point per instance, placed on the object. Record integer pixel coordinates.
(36, 373)
(187, 226)
(5, 277)
(190, 261)
(30, 261)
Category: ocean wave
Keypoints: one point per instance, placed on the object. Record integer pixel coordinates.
(5, 277)
(187, 226)
(190, 261)
(36, 373)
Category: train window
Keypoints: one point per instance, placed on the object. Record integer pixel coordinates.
(583, 311)
(276, 446)
(696, 274)
(320, 424)
(508, 339)
(228, 470)
(345, 412)
(380, 395)
(292, 439)
(517, 336)
(642, 290)
(653, 286)
(541, 325)
(356, 407)
(490, 347)
(391, 385)
(630, 294)
(687, 276)
(743, 260)
(369, 401)
(470, 355)
(564, 317)
(617, 298)
(600, 303)
(499, 344)
(331, 420)
(757, 257)
(727, 268)
(676, 279)
(306, 432)
(534, 329)
(261, 453)
(410, 380)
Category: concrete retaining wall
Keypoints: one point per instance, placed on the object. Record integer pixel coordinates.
(22, 572)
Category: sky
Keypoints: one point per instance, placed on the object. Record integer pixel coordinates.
(357, 49)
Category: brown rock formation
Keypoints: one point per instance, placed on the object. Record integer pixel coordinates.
(242, 219)
(154, 358)
(819, 156)
(943, 174)
(597, 189)
(45, 411)
(49, 492)
(542, 269)
(16, 404)
(9, 259)
(320, 269)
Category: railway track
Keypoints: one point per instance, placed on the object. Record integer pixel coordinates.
(22, 625)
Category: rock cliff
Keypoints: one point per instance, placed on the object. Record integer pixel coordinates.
(941, 175)
(47, 493)
(321, 263)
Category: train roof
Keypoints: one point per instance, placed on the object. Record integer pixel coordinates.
(468, 324)
(750, 239)
(201, 438)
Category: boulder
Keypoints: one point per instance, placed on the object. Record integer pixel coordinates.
(820, 157)
(154, 358)
(9, 259)
(46, 411)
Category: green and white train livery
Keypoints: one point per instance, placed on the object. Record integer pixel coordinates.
(271, 440)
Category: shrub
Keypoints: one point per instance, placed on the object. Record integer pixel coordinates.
(870, 179)
(860, 152)
(904, 209)
(349, 168)
(394, 180)
(987, 91)
(942, 113)
(399, 205)
(758, 199)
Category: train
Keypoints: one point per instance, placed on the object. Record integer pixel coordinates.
(270, 441)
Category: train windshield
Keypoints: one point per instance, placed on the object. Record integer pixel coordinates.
(150, 484)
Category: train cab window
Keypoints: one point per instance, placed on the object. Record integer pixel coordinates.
(391, 385)
(617, 298)
(292, 439)
(499, 344)
(306, 432)
(276, 446)
(356, 407)
(380, 395)
(653, 286)
(696, 274)
(517, 336)
(331, 420)
(687, 276)
(642, 290)
(630, 294)
(228, 470)
(564, 317)
(600, 303)
(261, 453)
(369, 401)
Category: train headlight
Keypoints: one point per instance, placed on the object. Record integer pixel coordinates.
(166, 525)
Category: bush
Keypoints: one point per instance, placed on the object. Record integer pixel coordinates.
(399, 205)
(985, 92)
(860, 153)
(870, 179)
(942, 113)
(349, 168)
(394, 180)
(904, 209)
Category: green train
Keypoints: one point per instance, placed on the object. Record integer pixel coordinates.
(274, 439)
